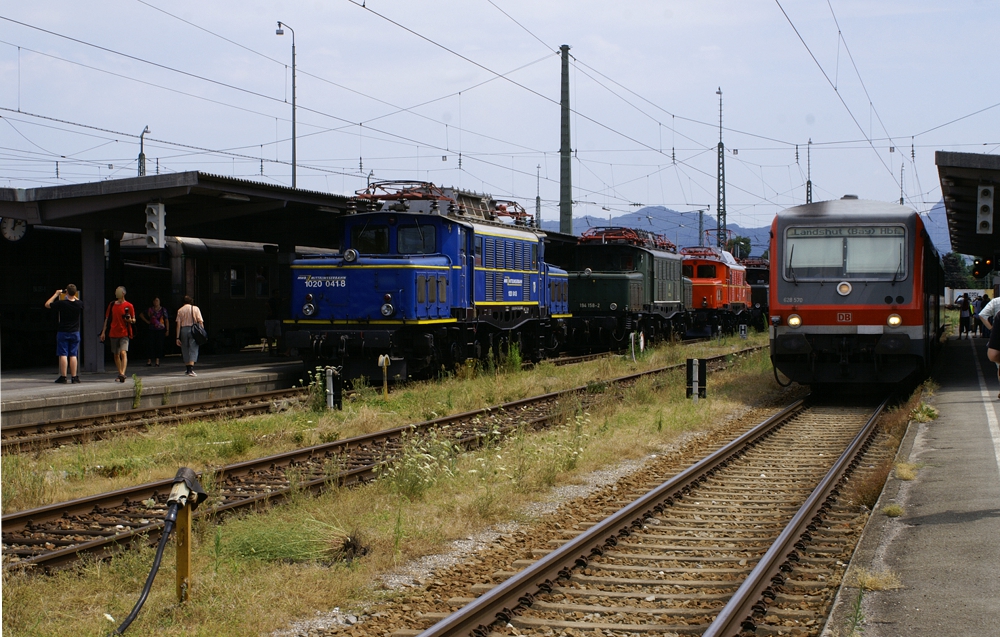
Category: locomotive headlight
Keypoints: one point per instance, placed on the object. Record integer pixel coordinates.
(794, 320)
(308, 309)
(387, 309)
(351, 255)
(614, 306)
(843, 288)
(894, 320)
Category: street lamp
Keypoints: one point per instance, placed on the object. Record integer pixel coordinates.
(281, 31)
(142, 153)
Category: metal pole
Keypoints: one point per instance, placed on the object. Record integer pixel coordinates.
(280, 31)
(694, 380)
(142, 152)
(721, 203)
(565, 162)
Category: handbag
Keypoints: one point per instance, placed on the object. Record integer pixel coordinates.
(199, 334)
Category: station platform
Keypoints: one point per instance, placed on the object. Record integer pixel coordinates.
(30, 396)
(945, 548)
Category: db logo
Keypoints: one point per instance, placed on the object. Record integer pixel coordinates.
(843, 317)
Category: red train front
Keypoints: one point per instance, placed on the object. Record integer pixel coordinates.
(854, 298)
(720, 295)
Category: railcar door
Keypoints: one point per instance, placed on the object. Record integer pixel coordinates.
(461, 294)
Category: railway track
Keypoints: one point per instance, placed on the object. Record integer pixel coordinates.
(57, 534)
(52, 433)
(753, 539)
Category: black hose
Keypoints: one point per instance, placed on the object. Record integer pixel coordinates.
(168, 526)
(774, 367)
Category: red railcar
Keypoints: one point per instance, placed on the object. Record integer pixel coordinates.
(855, 294)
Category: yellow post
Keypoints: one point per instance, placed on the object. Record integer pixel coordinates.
(183, 553)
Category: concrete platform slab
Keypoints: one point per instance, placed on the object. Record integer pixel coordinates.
(945, 548)
(32, 396)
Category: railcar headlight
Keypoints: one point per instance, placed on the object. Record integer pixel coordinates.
(614, 306)
(351, 255)
(794, 320)
(844, 288)
(387, 309)
(894, 320)
(308, 309)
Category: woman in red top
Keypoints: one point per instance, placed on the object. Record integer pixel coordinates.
(121, 315)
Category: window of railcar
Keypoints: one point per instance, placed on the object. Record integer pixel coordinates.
(688, 271)
(421, 288)
(478, 251)
(706, 271)
(262, 282)
(534, 256)
(854, 252)
(416, 240)
(370, 239)
(431, 290)
(237, 281)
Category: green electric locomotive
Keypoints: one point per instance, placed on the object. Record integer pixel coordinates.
(624, 281)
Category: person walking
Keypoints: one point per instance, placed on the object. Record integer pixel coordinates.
(159, 325)
(121, 316)
(986, 317)
(986, 331)
(70, 309)
(187, 316)
(977, 326)
(964, 314)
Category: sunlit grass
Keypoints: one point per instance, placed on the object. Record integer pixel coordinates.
(133, 458)
(245, 582)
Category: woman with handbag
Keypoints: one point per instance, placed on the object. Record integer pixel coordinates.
(188, 320)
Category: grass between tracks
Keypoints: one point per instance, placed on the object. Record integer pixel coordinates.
(258, 572)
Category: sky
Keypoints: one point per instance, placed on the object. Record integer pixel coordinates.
(465, 93)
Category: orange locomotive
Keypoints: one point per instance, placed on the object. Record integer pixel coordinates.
(720, 295)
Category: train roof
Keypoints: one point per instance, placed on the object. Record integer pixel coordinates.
(423, 197)
(710, 253)
(848, 208)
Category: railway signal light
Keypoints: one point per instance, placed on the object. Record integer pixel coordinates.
(984, 209)
(156, 215)
(981, 267)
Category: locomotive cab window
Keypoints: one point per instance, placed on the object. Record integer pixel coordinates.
(706, 272)
(479, 252)
(688, 271)
(370, 239)
(416, 240)
(850, 252)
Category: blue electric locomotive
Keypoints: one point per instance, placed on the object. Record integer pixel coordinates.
(428, 277)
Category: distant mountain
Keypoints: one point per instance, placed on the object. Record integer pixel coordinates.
(682, 227)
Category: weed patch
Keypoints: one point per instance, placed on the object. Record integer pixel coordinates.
(924, 413)
(867, 487)
(882, 580)
(906, 471)
(892, 510)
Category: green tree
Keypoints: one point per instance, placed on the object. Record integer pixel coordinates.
(739, 247)
(956, 272)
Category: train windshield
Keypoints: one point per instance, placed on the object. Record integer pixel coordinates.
(850, 252)
(416, 240)
(370, 239)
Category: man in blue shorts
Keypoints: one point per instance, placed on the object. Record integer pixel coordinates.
(70, 309)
